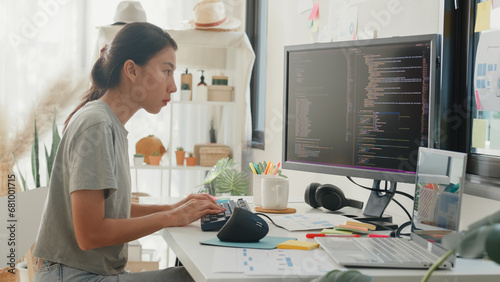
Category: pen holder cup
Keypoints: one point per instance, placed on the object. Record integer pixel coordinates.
(256, 183)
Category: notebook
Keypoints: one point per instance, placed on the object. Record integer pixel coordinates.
(436, 211)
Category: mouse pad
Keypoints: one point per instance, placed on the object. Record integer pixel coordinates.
(268, 242)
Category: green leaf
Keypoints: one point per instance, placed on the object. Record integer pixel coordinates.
(262, 167)
(56, 139)
(282, 175)
(218, 168)
(493, 243)
(489, 220)
(35, 163)
(232, 181)
(471, 243)
(343, 276)
(482, 237)
(47, 158)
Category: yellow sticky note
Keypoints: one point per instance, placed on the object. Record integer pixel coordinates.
(483, 16)
(298, 245)
(479, 127)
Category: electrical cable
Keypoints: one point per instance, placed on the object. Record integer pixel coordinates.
(386, 191)
(378, 190)
(398, 231)
(265, 215)
(406, 211)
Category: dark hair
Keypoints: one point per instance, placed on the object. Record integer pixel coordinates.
(138, 42)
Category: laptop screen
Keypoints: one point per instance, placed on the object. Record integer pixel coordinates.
(439, 186)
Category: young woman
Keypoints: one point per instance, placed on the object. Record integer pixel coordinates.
(89, 217)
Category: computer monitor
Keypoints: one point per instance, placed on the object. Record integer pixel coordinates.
(361, 109)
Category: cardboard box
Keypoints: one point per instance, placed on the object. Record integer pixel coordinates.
(220, 93)
(209, 154)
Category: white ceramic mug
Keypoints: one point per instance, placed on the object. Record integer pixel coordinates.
(256, 187)
(274, 193)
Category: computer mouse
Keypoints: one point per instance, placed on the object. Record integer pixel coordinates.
(243, 227)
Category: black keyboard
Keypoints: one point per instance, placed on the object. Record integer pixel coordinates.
(214, 222)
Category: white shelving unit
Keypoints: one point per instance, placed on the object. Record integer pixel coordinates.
(190, 121)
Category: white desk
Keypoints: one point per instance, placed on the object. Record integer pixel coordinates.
(197, 259)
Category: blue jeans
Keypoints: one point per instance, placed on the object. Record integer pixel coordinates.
(56, 272)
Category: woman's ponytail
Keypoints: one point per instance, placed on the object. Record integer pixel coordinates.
(98, 88)
(138, 42)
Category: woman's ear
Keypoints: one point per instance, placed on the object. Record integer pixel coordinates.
(130, 70)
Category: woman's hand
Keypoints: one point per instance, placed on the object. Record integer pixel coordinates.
(193, 208)
(198, 196)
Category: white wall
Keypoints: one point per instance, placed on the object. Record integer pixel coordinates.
(286, 26)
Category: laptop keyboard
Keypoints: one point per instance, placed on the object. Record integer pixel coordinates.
(394, 250)
(214, 222)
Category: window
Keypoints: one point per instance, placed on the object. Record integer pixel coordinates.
(478, 78)
(256, 29)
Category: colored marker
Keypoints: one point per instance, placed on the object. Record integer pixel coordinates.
(312, 235)
(268, 167)
(262, 168)
(277, 168)
(257, 168)
(378, 236)
(252, 168)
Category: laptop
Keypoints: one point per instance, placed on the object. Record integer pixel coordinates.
(436, 212)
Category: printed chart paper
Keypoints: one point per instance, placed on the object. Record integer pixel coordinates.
(487, 72)
(278, 262)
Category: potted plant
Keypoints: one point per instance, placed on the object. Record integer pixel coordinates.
(223, 179)
(22, 266)
(190, 159)
(481, 239)
(138, 159)
(185, 92)
(180, 155)
(155, 158)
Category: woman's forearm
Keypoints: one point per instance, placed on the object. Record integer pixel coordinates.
(94, 230)
(138, 210)
(111, 231)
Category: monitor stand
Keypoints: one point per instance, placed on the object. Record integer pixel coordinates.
(383, 222)
(379, 199)
(376, 205)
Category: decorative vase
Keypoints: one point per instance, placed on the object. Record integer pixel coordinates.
(7, 276)
(138, 161)
(179, 157)
(22, 269)
(154, 160)
(190, 161)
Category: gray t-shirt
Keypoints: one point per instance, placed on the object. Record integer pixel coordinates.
(93, 154)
